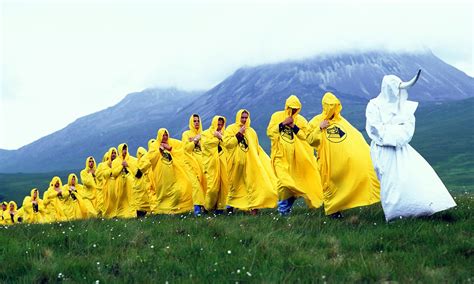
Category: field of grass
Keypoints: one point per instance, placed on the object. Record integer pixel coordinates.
(305, 247)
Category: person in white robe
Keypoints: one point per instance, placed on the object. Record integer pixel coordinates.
(409, 187)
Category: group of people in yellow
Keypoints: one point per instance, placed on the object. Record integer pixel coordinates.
(326, 162)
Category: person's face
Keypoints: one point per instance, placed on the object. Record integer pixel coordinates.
(220, 125)
(124, 151)
(165, 138)
(196, 122)
(243, 118)
(12, 207)
(4, 207)
(56, 184)
(91, 163)
(113, 155)
(73, 180)
(293, 111)
(35, 194)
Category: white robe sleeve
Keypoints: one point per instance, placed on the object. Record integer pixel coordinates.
(397, 132)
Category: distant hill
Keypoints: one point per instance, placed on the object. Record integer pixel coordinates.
(354, 78)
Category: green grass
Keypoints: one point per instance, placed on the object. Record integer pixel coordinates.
(305, 247)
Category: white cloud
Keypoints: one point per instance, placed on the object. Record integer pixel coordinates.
(64, 59)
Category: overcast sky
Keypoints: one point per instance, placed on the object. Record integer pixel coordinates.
(61, 60)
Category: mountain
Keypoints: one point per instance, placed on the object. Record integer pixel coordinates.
(134, 120)
(353, 77)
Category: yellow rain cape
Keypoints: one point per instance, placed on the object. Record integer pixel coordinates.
(141, 187)
(124, 176)
(33, 211)
(110, 183)
(193, 160)
(88, 192)
(347, 174)
(74, 207)
(293, 159)
(214, 159)
(102, 174)
(53, 200)
(251, 186)
(173, 187)
(151, 178)
(11, 216)
(4, 213)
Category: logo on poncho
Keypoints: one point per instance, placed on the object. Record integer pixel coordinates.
(243, 144)
(167, 158)
(287, 134)
(197, 149)
(335, 133)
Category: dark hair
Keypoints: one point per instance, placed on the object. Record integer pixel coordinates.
(196, 115)
(245, 111)
(221, 119)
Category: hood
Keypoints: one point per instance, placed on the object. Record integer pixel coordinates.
(151, 143)
(37, 195)
(238, 115)
(69, 179)
(160, 133)
(391, 97)
(53, 182)
(215, 119)
(87, 163)
(119, 150)
(105, 158)
(14, 205)
(292, 102)
(191, 125)
(331, 106)
(141, 152)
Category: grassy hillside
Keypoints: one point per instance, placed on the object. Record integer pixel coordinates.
(305, 247)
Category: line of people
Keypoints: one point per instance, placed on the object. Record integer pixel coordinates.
(326, 161)
(219, 169)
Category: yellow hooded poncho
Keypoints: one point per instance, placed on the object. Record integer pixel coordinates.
(53, 200)
(124, 183)
(102, 174)
(214, 159)
(293, 160)
(252, 184)
(150, 176)
(4, 213)
(76, 206)
(88, 192)
(141, 187)
(347, 173)
(33, 212)
(193, 160)
(11, 214)
(173, 186)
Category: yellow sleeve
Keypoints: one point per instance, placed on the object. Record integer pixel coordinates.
(314, 132)
(273, 131)
(116, 168)
(302, 124)
(229, 138)
(188, 145)
(87, 179)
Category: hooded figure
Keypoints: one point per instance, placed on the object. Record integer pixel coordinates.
(89, 190)
(76, 206)
(141, 187)
(214, 159)
(251, 186)
(102, 175)
(409, 186)
(53, 200)
(11, 216)
(4, 213)
(33, 207)
(149, 174)
(193, 160)
(124, 168)
(347, 173)
(173, 186)
(293, 160)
